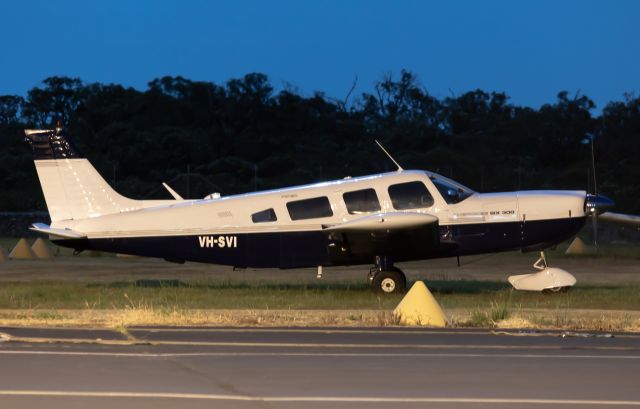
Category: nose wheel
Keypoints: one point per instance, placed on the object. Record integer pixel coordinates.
(385, 278)
(547, 279)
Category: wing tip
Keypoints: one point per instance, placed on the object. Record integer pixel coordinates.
(63, 233)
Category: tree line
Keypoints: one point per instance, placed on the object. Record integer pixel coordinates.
(243, 136)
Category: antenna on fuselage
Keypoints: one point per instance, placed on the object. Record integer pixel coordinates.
(172, 192)
(389, 155)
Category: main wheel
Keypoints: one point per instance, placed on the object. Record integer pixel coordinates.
(389, 282)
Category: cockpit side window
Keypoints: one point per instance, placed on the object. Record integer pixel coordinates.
(361, 201)
(314, 208)
(263, 216)
(451, 191)
(410, 195)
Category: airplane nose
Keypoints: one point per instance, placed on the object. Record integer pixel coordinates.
(598, 203)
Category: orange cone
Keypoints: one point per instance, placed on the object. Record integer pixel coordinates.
(22, 251)
(577, 246)
(41, 249)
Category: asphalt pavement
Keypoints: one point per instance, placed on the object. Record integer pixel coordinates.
(316, 368)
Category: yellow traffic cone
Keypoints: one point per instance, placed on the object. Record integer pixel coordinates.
(419, 307)
(22, 251)
(41, 249)
(120, 255)
(577, 246)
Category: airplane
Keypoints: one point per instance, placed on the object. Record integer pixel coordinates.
(380, 219)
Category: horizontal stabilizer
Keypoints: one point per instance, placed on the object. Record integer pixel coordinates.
(386, 221)
(64, 233)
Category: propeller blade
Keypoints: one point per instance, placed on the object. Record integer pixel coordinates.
(594, 205)
(594, 223)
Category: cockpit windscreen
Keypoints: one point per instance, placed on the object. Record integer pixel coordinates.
(452, 192)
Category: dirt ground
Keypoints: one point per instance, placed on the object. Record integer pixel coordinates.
(591, 270)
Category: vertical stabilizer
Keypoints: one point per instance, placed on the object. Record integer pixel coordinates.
(72, 187)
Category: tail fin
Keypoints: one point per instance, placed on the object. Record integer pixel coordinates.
(72, 187)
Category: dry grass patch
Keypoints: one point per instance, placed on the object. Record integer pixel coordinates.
(558, 319)
(121, 319)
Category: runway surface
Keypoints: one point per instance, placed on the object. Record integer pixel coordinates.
(316, 368)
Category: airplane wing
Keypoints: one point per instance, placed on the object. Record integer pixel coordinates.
(59, 233)
(398, 235)
(620, 218)
(385, 221)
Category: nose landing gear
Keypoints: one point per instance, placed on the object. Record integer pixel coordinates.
(547, 279)
(385, 278)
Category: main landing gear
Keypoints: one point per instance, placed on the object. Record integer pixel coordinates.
(385, 278)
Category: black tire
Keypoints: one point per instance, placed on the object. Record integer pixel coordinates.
(555, 290)
(389, 282)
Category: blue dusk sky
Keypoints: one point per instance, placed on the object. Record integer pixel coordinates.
(530, 50)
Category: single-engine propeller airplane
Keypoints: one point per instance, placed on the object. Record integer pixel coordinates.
(379, 219)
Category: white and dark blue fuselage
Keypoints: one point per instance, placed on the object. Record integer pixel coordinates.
(401, 216)
(264, 230)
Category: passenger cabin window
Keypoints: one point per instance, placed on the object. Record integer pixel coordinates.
(264, 216)
(310, 208)
(361, 201)
(411, 195)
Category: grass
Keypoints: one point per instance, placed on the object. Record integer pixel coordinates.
(170, 302)
(481, 294)
(174, 294)
(609, 251)
(101, 291)
(70, 295)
